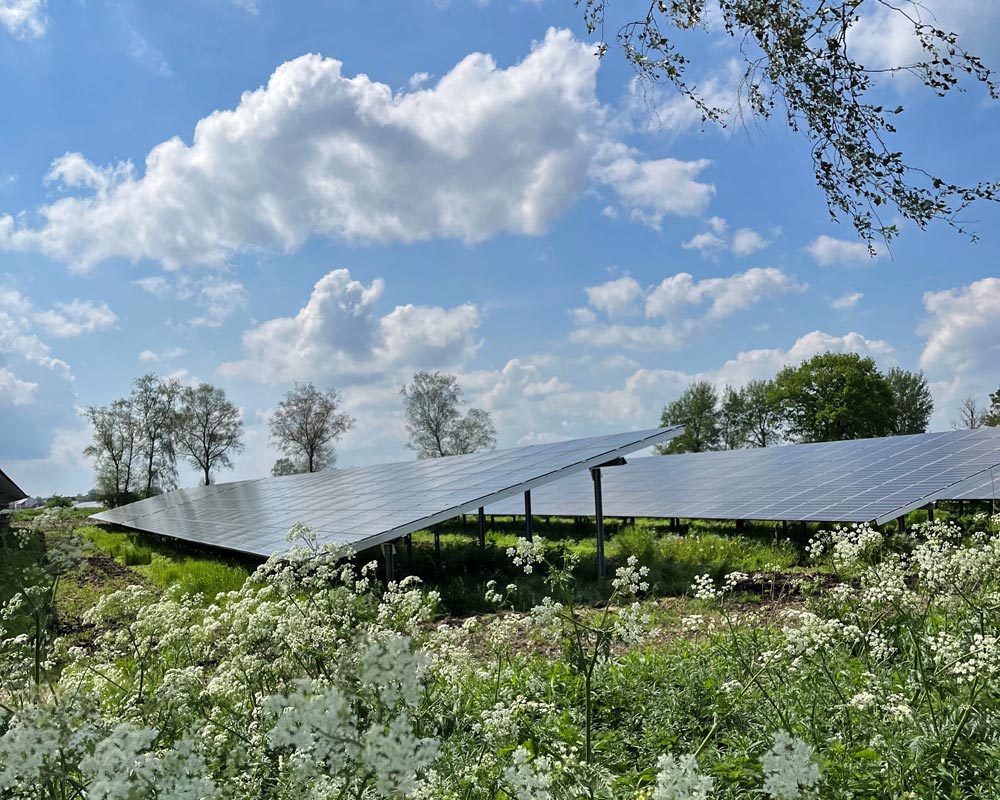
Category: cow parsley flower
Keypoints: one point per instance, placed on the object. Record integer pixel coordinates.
(677, 778)
(526, 554)
(788, 767)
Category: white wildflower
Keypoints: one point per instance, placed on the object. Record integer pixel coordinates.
(526, 554)
(677, 778)
(788, 767)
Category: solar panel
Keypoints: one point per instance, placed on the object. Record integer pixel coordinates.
(860, 480)
(367, 506)
(10, 492)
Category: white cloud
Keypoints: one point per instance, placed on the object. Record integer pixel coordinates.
(649, 190)
(679, 304)
(167, 355)
(962, 350)
(712, 242)
(250, 6)
(883, 37)
(829, 251)
(747, 241)
(68, 320)
(418, 79)
(23, 19)
(483, 151)
(215, 296)
(847, 301)
(20, 344)
(615, 298)
(658, 109)
(14, 390)
(338, 333)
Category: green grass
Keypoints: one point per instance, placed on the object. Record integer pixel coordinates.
(167, 563)
(461, 570)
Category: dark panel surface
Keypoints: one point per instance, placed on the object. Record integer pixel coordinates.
(854, 481)
(366, 506)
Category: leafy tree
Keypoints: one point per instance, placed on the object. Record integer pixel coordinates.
(115, 450)
(733, 423)
(59, 501)
(992, 415)
(912, 404)
(799, 60)
(763, 414)
(304, 426)
(697, 409)
(834, 396)
(154, 403)
(970, 415)
(210, 429)
(287, 466)
(435, 421)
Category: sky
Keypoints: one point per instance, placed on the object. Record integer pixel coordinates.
(254, 193)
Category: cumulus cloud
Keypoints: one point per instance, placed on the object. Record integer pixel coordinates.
(482, 151)
(717, 239)
(829, 251)
(23, 19)
(19, 341)
(68, 320)
(14, 390)
(847, 301)
(883, 37)
(339, 333)
(674, 310)
(649, 190)
(962, 347)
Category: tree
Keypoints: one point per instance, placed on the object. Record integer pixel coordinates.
(305, 424)
(115, 450)
(799, 58)
(435, 421)
(733, 427)
(992, 416)
(912, 404)
(287, 466)
(970, 415)
(697, 410)
(763, 415)
(154, 403)
(209, 430)
(834, 396)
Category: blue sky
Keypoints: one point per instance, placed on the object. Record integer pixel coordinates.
(253, 193)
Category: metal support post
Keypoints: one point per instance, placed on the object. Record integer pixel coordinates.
(930, 512)
(437, 542)
(409, 545)
(482, 529)
(527, 516)
(389, 550)
(599, 515)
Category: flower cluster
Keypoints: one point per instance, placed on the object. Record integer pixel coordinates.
(527, 554)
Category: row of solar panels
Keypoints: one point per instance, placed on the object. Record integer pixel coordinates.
(854, 481)
(368, 506)
(862, 480)
(10, 492)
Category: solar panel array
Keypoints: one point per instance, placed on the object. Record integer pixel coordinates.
(10, 492)
(367, 506)
(854, 481)
(985, 486)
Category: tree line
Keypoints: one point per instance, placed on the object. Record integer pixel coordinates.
(829, 397)
(139, 439)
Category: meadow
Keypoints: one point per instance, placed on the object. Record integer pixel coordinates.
(710, 663)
